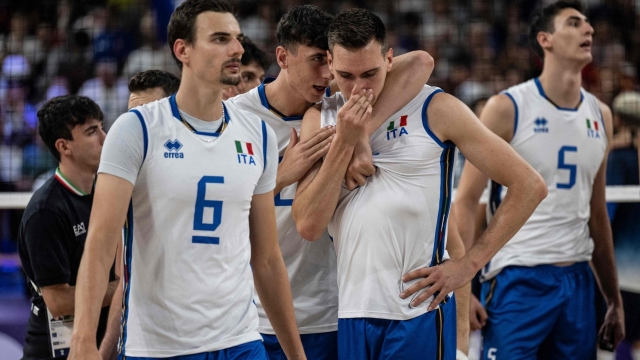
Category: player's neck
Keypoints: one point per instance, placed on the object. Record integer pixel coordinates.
(79, 176)
(200, 99)
(283, 97)
(561, 85)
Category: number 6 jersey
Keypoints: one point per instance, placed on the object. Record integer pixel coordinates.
(188, 283)
(566, 146)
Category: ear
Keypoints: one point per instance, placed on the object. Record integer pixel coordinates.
(544, 40)
(181, 50)
(282, 57)
(389, 59)
(63, 147)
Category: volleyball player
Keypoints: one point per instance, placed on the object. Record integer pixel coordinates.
(538, 290)
(397, 221)
(193, 178)
(304, 79)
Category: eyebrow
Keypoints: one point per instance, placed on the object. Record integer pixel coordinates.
(221, 33)
(364, 72)
(91, 128)
(573, 17)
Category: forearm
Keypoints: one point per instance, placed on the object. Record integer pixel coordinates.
(272, 284)
(463, 212)
(91, 293)
(603, 260)
(109, 346)
(516, 208)
(406, 79)
(314, 205)
(281, 182)
(463, 298)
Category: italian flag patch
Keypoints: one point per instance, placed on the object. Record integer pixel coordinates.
(403, 122)
(592, 125)
(244, 147)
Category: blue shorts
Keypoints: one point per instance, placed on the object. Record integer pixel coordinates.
(428, 336)
(249, 351)
(540, 312)
(320, 346)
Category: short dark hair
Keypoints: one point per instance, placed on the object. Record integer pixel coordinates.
(145, 80)
(252, 53)
(304, 25)
(58, 116)
(542, 20)
(355, 28)
(182, 24)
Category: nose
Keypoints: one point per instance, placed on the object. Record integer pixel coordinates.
(236, 48)
(325, 72)
(589, 28)
(103, 135)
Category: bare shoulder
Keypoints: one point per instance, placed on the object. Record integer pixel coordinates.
(607, 117)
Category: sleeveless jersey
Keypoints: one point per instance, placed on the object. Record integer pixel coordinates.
(311, 265)
(188, 282)
(397, 221)
(566, 146)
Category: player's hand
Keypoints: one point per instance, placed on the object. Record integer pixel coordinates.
(230, 92)
(353, 117)
(444, 278)
(612, 331)
(361, 165)
(477, 314)
(300, 156)
(84, 351)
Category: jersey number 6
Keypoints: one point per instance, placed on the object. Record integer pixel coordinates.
(571, 167)
(213, 209)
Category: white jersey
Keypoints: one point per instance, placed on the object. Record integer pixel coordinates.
(397, 221)
(566, 146)
(188, 282)
(311, 265)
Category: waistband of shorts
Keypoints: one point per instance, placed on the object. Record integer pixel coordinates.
(553, 269)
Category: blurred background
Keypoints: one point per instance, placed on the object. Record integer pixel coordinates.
(50, 48)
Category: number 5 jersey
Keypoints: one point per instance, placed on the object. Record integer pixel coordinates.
(566, 146)
(188, 282)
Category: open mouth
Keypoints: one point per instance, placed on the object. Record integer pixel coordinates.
(320, 89)
(586, 44)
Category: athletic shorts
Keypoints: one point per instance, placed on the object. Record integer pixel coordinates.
(540, 312)
(249, 351)
(320, 346)
(428, 336)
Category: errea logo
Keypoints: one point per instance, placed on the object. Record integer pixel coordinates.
(173, 147)
(540, 125)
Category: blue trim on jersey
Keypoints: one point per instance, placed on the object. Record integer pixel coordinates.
(327, 93)
(515, 120)
(425, 122)
(542, 93)
(265, 102)
(495, 198)
(446, 176)
(128, 255)
(145, 135)
(264, 143)
(174, 107)
(604, 128)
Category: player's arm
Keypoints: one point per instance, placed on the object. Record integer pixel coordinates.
(612, 330)
(450, 119)
(318, 191)
(109, 345)
(409, 74)
(111, 199)
(456, 251)
(270, 274)
(498, 116)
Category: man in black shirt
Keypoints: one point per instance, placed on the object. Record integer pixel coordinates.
(54, 225)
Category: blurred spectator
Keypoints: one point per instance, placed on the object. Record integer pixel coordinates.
(108, 91)
(152, 54)
(623, 169)
(18, 41)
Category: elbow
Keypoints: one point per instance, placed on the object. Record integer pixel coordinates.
(539, 188)
(308, 230)
(424, 61)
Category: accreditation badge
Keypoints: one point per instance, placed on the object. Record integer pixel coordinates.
(60, 331)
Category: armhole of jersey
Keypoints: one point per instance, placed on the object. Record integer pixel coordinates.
(145, 136)
(604, 126)
(264, 144)
(515, 119)
(425, 121)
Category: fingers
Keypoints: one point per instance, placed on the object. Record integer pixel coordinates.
(418, 273)
(482, 314)
(293, 139)
(419, 285)
(353, 99)
(319, 150)
(318, 136)
(474, 324)
(350, 183)
(367, 169)
(361, 104)
(440, 298)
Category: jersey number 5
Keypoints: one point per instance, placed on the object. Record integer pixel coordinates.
(211, 208)
(571, 167)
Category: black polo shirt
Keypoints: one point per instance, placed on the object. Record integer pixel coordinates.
(50, 243)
